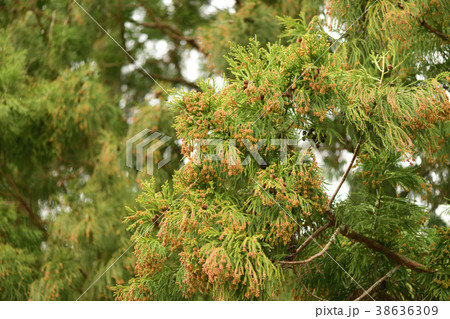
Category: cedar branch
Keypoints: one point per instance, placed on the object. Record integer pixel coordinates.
(429, 27)
(161, 77)
(435, 31)
(167, 28)
(389, 253)
(324, 249)
(305, 288)
(349, 168)
(179, 80)
(379, 281)
(171, 32)
(311, 237)
(15, 193)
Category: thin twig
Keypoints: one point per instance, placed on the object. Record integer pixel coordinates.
(379, 281)
(304, 287)
(168, 29)
(349, 168)
(324, 249)
(310, 238)
(15, 193)
(39, 22)
(318, 269)
(179, 80)
(50, 29)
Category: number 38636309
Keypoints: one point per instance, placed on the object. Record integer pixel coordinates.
(407, 310)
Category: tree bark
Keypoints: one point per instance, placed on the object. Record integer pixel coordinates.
(389, 253)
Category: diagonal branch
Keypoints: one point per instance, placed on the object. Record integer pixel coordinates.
(161, 77)
(370, 243)
(171, 32)
(304, 287)
(389, 253)
(349, 168)
(39, 22)
(179, 80)
(175, 80)
(379, 281)
(13, 191)
(167, 28)
(428, 27)
(311, 237)
(324, 249)
(435, 31)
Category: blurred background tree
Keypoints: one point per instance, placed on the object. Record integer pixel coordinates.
(68, 105)
(70, 98)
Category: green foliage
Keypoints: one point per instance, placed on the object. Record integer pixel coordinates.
(416, 29)
(19, 253)
(253, 19)
(70, 99)
(231, 231)
(62, 149)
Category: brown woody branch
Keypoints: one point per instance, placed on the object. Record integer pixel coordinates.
(311, 237)
(13, 191)
(161, 77)
(310, 259)
(379, 281)
(50, 28)
(167, 28)
(370, 243)
(83, 273)
(158, 24)
(344, 177)
(39, 22)
(389, 253)
(435, 31)
(351, 234)
(304, 287)
(171, 32)
(429, 27)
(69, 13)
(179, 80)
